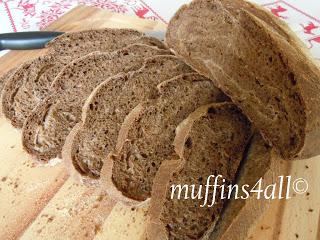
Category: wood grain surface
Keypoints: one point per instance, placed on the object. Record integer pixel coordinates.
(44, 202)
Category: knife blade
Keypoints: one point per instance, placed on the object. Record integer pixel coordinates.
(38, 39)
(26, 40)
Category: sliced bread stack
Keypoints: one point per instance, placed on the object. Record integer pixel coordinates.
(145, 138)
(46, 128)
(211, 141)
(107, 107)
(259, 63)
(29, 85)
(32, 81)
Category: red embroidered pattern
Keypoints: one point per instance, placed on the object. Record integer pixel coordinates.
(308, 26)
(37, 14)
(110, 5)
(53, 13)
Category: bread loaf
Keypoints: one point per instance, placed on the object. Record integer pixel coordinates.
(145, 141)
(30, 86)
(46, 128)
(259, 63)
(211, 141)
(107, 107)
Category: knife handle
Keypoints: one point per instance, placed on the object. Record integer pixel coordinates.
(26, 40)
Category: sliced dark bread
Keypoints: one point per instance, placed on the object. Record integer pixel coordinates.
(211, 141)
(229, 43)
(46, 128)
(19, 73)
(237, 218)
(145, 141)
(23, 94)
(29, 86)
(104, 40)
(107, 107)
(5, 77)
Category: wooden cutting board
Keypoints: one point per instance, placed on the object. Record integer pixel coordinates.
(44, 202)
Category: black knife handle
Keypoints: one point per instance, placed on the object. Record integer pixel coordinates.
(26, 40)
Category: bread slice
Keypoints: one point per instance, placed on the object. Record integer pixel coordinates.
(144, 141)
(46, 128)
(107, 107)
(211, 141)
(103, 40)
(238, 216)
(228, 42)
(4, 78)
(22, 94)
(29, 86)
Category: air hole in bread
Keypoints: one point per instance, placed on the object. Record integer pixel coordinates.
(211, 110)
(292, 78)
(188, 143)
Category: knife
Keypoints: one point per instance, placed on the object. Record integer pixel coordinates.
(26, 40)
(38, 39)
